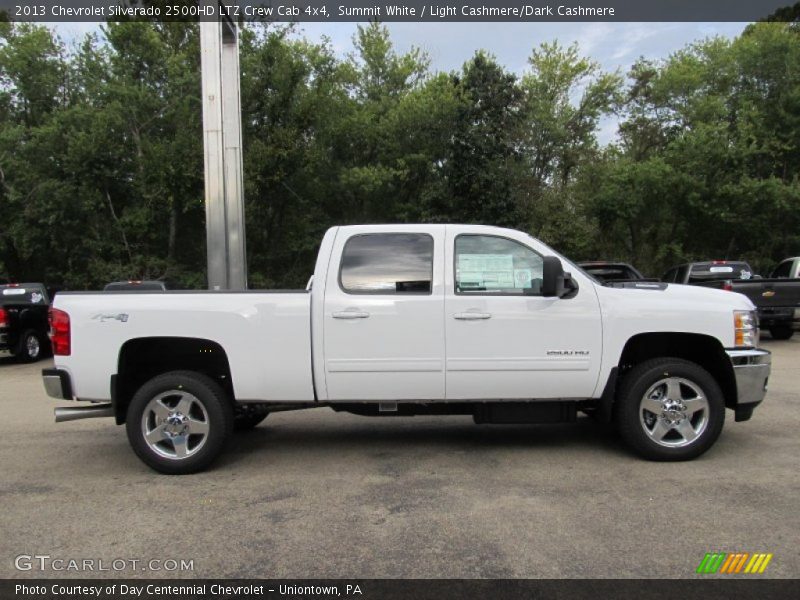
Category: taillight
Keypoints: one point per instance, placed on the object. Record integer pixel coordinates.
(3, 317)
(59, 332)
(727, 286)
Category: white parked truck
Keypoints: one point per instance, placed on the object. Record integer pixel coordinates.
(412, 320)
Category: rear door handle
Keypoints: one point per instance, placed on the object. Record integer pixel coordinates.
(472, 316)
(350, 314)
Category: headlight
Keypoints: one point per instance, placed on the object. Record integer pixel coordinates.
(745, 327)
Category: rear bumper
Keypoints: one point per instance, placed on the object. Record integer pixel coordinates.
(751, 369)
(57, 384)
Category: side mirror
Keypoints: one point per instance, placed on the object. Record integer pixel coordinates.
(553, 277)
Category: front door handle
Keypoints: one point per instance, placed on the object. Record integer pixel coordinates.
(472, 316)
(350, 314)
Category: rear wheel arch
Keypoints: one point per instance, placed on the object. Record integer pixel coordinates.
(142, 359)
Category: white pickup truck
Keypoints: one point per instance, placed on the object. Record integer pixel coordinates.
(412, 320)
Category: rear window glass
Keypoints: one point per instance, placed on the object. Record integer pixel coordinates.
(22, 295)
(714, 272)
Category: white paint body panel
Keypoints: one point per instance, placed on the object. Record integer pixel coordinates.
(285, 346)
(266, 337)
(530, 346)
(398, 352)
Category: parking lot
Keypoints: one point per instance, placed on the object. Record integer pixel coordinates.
(320, 494)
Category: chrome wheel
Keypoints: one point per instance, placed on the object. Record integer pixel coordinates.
(674, 412)
(175, 424)
(32, 346)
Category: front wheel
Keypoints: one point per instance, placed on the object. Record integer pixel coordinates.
(670, 409)
(781, 332)
(178, 422)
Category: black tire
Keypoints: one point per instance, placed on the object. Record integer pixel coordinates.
(781, 332)
(639, 428)
(31, 348)
(215, 412)
(248, 420)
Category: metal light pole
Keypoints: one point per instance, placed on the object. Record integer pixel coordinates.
(222, 138)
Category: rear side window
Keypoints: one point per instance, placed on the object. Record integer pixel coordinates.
(387, 263)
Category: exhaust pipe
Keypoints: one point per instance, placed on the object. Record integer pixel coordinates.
(83, 412)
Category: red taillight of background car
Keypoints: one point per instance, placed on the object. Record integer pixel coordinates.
(60, 337)
(727, 286)
(3, 317)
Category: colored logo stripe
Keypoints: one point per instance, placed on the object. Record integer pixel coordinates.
(734, 562)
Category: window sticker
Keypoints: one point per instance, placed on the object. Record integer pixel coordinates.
(522, 278)
(746, 275)
(486, 271)
(36, 297)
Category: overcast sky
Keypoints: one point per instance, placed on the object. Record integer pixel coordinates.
(449, 45)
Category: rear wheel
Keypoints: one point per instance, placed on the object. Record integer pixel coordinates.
(179, 422)
(782, 332)
(670, 409)
(30, 347)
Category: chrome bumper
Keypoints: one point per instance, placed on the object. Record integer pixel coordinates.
(751, 369)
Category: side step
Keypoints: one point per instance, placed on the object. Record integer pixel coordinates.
(83, 412)
(510, 413)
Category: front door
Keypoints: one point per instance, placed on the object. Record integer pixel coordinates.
(504, 339)
(383, 323)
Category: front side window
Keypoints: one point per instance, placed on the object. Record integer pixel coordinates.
(486, 264)
(387, 263)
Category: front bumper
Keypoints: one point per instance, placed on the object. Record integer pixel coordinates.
(751, 368)
(57, 384)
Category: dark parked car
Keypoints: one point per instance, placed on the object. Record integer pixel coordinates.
(135, 286)
(613, 273)
(23, 320)
(776, 298)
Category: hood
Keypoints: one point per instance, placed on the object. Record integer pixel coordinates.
(680, 294)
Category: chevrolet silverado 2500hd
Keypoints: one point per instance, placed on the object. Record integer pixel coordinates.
(412, 320)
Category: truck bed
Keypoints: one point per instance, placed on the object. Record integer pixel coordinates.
(265, 334)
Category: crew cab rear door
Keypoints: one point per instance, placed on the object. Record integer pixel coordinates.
(383, 323)
(504, 339)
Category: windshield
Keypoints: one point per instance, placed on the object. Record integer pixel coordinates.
(611, 272)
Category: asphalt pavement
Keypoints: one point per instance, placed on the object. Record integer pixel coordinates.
(322, 494)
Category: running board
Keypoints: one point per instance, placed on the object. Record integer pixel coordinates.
(83, 412)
